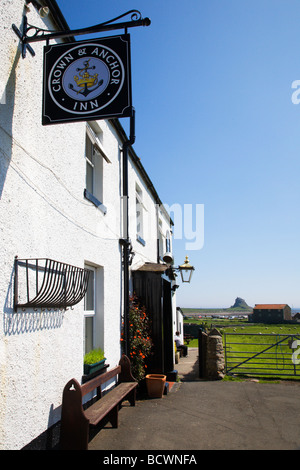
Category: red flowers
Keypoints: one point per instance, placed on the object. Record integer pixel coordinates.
(139, 338)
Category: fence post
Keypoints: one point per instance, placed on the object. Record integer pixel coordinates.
(225, 347)
(199, 352)
(202, 353)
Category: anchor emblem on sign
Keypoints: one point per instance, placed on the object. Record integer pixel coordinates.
(86, 82)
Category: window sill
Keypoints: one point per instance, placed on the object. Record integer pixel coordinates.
(140, 240)
(95, 201)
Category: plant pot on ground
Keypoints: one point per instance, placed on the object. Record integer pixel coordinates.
(155, 385)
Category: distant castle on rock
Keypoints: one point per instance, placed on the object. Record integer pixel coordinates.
(240, 303)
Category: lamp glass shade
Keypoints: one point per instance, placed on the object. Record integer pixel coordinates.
(186, 271)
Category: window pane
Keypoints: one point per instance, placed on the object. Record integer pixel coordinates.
(168, 243)
(88, 149)
(89, 333)
(89, 154)
(89, 177)
(89, 296)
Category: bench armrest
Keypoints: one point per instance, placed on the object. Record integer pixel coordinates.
(125, 374)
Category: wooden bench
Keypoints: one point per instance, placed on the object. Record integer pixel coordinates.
(76, 421)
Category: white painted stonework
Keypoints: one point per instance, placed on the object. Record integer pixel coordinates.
(44, 214)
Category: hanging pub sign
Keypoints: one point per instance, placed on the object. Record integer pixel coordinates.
(87, 80)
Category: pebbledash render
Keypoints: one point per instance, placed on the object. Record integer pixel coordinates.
(60, 199)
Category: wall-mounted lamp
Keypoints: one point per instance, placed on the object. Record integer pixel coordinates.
(186, 270)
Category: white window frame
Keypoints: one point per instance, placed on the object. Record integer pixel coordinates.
(97, 152)
(139, 213)
(168, 242)
(90, 313)
(161, 240)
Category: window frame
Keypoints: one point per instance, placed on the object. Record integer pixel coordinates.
(90, 313)
(139, 208)
(97, 152)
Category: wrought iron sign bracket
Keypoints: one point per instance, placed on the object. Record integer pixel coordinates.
(38, 34)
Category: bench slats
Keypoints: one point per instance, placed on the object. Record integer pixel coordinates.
(99, 380)
(96, 412)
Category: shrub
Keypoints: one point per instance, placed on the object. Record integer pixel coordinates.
(140, 343)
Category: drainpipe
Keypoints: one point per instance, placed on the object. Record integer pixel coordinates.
(125, 241)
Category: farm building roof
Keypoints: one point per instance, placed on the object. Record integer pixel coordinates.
(269, 306)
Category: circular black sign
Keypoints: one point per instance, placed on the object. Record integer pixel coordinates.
(86, 79)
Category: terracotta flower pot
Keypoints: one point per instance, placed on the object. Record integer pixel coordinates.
(155, 385)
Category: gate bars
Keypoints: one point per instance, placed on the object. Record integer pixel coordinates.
(246, 358)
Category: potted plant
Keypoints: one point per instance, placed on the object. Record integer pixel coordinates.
(94, 360)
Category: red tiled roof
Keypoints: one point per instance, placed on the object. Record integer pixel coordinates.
(269, 306)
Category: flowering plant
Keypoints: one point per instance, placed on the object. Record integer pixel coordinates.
(140, 343)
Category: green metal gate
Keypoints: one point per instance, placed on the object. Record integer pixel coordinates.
(262, 354)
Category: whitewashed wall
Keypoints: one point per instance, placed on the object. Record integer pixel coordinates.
(153, 212)
(44, 214)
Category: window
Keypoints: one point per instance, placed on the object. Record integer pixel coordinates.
(139, 215)
(89, 311)
(90, 164)
(94, 309)
(94, 157)
(160, 240)
(168, 242)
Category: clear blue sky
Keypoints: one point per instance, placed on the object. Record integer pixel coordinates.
(215, 125)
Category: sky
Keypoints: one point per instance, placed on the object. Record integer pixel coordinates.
(218, 132)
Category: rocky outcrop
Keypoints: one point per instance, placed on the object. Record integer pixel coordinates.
(240, 303)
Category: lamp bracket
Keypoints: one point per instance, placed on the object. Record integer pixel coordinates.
(39, 34)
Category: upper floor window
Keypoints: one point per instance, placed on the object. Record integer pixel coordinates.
(139, 208)
(168, 242)
(90, 165)
(161, 237)
(95, 160)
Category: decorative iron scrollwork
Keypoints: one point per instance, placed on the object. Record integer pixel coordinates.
(40, 34)
(135, 16)
(49, 283)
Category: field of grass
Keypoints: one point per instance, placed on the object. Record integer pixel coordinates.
(264, 349)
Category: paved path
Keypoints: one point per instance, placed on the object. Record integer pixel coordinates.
(208, 415)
